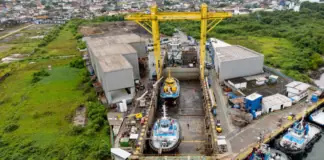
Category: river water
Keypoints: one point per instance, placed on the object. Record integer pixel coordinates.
(317, 152)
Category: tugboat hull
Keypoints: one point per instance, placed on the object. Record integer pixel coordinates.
(315, 135)
(318, 117)
(156, 139)
(273, 154)
(170, 97)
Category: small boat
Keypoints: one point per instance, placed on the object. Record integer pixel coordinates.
(267, 153)
(299, 139)
(166, 134)
(170, 89)
(318, 117)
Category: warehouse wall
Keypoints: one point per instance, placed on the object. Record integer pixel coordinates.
(133, 60)
(92, 59)
(118, 79)
(99, 72)
(240, 68)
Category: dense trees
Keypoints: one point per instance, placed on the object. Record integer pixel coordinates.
(304, 30)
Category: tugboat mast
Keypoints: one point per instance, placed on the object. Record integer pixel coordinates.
(164, 111)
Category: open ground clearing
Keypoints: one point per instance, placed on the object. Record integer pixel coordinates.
(36, 119)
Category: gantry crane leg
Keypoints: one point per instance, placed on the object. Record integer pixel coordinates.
(156, 42)
(156, 16)
(203, 34)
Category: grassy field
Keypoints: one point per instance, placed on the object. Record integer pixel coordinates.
(36, 118)
(58, 46)
(22, 42)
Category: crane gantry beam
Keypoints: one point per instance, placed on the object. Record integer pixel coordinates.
(154, 17)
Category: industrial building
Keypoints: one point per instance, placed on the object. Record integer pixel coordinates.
(119, 154)
(253, 102)
(297, 90)
(238, 83)
(275, 102)
(214, 43)
(232, 61)
(115, 63)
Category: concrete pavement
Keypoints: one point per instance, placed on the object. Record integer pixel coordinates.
(15, 31)
(265, 125)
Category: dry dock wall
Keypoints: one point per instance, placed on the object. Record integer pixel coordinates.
(183, 73)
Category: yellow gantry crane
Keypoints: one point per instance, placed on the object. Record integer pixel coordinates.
(154, 17)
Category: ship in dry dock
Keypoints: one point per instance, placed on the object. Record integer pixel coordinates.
(166, 134)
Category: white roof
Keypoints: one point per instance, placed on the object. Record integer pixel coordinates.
(274, 76)
(218, 43)
(120, 153)
(276, 99)
(133, 136)
(116, 39)
(235, 52)
(253, 96)
(221, 142)
(110, 49)
(260, 79)
(114, 63)
(298, 85)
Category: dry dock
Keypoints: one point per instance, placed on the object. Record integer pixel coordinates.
(189, 111)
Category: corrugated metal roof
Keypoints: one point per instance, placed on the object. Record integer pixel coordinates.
(107, 40)
(114, 63)
(276, 99)
(111, 49)
(218, 43)
(120, 153)
(298, 85)
(235, 52)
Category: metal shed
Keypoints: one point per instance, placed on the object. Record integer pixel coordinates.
(297, 90)
(119, 154)
(275, 102)
(237, 61)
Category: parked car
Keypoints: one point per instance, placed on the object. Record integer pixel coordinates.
(164, 41)
(149, 47)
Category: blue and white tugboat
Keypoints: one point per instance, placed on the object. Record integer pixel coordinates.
(299, 139)
(318, 117)
(166, 134)
(170, 89)
(267, 153)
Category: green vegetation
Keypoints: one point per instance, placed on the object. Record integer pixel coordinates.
(36, 118)
(290, 41)
(49, 37)
(38, 75)
(58, 46)
(78, 63)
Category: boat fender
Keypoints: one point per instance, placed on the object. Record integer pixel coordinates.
(293, 153)
(310, 145)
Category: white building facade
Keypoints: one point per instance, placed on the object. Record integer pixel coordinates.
(275, 102)
(237, 61)
(297, 90)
